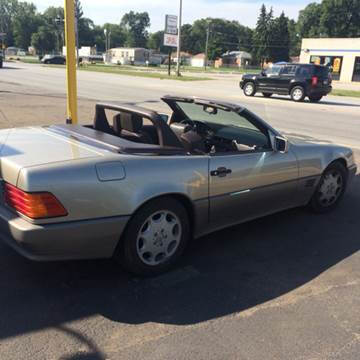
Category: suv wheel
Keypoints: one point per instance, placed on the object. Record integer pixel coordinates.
(267, 94)
(297, 93)
(249, 89)
(315, 98)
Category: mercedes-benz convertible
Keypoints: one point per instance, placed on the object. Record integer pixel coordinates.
(137, 185)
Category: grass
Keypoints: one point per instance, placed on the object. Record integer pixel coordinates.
(149, 73)
(340, 92)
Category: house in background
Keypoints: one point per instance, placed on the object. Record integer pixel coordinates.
(128, 56)
(199, 60)
(184, 56)
(234, 59)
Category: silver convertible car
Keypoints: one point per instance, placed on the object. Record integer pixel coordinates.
(138, 185)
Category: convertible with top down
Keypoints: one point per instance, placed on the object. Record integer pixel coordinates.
(138, 185)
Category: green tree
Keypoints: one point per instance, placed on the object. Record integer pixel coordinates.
(340, 18)
(279, 42)
(8, 10)
(53, 20)
(262, 35)
(309, 21)
(295, 40)
(135, 26)
(25, 23)
(44, 40)
(118, 36)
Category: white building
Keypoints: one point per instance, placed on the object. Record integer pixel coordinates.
(199, 60)
(128, 56)
(342, 55)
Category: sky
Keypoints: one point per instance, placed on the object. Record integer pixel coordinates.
(245, 11)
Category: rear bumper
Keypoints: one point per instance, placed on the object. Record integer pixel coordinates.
(323, 91)
(87, 239)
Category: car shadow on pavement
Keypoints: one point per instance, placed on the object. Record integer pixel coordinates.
(307, 101)
(224, 273)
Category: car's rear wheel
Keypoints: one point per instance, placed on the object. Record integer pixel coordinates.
(155, 237)
(330, 189)
(297, 93)
(267, 95)
(249, 89)
(315, 98)
(1, 64)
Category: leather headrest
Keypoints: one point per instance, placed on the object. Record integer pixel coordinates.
(117, 123)
(131, 122)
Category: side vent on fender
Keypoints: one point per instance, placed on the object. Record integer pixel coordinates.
(310, 183)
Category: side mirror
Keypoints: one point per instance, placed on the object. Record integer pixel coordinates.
(281, 144)
(164, 117)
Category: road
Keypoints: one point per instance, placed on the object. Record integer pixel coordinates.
(335, 119)
(283, 287)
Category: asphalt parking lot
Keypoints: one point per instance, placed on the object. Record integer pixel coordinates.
(285, 287)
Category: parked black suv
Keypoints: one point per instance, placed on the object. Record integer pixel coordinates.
(296, 80)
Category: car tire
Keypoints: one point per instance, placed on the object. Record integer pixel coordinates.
(297, 93)
(267, 95)
(155, 237)
(1, 64)
(331, 188)
(249, 89)
(315, 98)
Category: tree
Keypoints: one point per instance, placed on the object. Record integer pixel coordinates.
(295, 40)
(8, 10)
(50, 16)
(44, 40)
(340, 18)
(309, 21)
(262, 35)
(78, 9)
(25, 23)
(135, 26)
(118, 36)
(279, 43)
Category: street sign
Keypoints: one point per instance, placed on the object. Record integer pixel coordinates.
(170, 40)
(171, 24)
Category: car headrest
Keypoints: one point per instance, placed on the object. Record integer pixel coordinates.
(117, 123)
(131, 122)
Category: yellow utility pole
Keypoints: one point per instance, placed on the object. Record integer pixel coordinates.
(70, 62)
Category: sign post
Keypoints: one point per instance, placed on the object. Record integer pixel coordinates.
(70, 62)
(171, 35)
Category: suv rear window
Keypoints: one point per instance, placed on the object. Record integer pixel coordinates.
(321, 71)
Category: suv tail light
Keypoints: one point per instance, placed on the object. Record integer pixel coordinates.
(37, 205)
(314, 80)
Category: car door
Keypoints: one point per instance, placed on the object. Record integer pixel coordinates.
(246, 184)
(286, 75)
(270, 81)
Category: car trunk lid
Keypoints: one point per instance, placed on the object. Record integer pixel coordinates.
(32, 146)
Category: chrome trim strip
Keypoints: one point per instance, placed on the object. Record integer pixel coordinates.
(240, 192)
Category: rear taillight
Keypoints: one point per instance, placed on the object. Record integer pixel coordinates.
(314, 81)
(37, 205)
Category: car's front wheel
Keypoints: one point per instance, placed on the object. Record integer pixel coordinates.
(315, 98)
(297, 93)
(330, 189)
(249, 89)
(155, 237)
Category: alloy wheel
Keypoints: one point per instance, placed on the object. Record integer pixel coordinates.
(158, 237)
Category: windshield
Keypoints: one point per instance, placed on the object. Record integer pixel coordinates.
(198, 112)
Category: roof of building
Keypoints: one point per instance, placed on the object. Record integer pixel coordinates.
(238, 54)
(199, 56)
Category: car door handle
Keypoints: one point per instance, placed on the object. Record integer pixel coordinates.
(221, 172)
